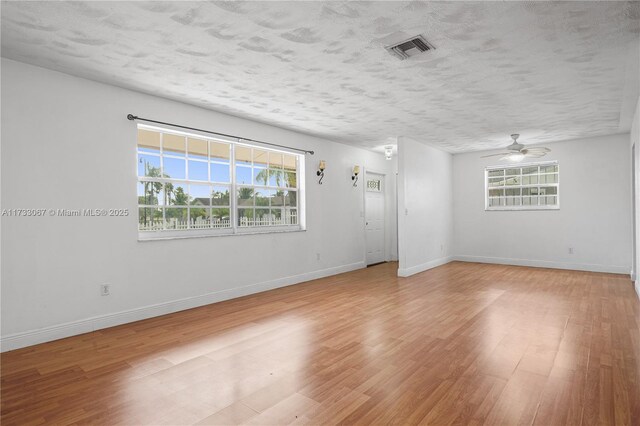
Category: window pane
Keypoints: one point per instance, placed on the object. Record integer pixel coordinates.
(243, 155)
(262, 217)
(198, 170)
(277, 198)
(245, 217)
(495, 173)
(148, 141)
(530, 180)
(262, 197)
(512, 201)
(220, 196)
(220, 173)
(150, 193)
(496, 192)
(276, 178)
(260, 158)
(174, 168)
(243, 175)
(173, 145)
(549, 169)
(276, 217)
(275, 160)
(291, 216)
(260, 175)
(149, 219)
(291, 179)
(289, 162)
(176, 218)
(291, 198)
(548, 190)
(512, 172)
(245, 197)
(199, 218)
(513, 180)
(197, 148)
(512, 192)
(199, 195)
(148, 165)
(496, 181)
(496, 201)
(176, 194)
(529, 170)
(219, 152)
(549, 178)
(220, 218)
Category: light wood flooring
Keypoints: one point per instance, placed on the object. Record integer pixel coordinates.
(462, 343)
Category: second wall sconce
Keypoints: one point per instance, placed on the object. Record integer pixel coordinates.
(320, 171)
(354, 177)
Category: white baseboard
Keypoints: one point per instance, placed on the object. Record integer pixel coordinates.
(407, 272)
(591, 267)
(59, 331)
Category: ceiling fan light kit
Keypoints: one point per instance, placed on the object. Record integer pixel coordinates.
(517, 152)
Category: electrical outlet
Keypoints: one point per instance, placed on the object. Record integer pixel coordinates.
(105, 289)
(570, 250)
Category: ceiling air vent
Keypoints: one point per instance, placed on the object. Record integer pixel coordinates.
(411, 47)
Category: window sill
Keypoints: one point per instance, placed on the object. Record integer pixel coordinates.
(144, 237)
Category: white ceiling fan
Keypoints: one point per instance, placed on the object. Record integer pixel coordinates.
(517, 151)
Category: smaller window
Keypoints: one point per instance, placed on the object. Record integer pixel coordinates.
(523, 187)
(373, 185)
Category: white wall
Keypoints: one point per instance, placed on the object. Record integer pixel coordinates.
(635, 140)
(594, 216)
(425, 206)
(66, 143)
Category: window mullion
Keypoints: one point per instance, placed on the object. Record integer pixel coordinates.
(233, 208)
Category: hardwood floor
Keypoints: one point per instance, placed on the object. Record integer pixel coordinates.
(463, 343)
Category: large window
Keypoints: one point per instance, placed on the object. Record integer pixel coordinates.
(523, 187)
(193, 185)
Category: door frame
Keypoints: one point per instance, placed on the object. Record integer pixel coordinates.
(366, 171)
(634, 213)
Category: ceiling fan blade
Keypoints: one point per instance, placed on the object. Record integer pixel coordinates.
(534, 154)
(537, 149)
(495, 155)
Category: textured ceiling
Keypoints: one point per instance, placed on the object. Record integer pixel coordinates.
(550, 71)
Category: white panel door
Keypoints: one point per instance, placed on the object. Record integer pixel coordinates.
(374, 218)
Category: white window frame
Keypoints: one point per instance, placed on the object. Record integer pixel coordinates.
(537, 185)
(235, 229)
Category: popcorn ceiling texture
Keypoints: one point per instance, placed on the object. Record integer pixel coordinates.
(550, 71)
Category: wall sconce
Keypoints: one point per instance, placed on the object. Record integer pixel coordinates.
(388, 152)
(320, 171)
(354, 177)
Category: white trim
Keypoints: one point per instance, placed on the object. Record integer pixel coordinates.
(591, 267)
(59, 331)
(637, 287)
(406, 272)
